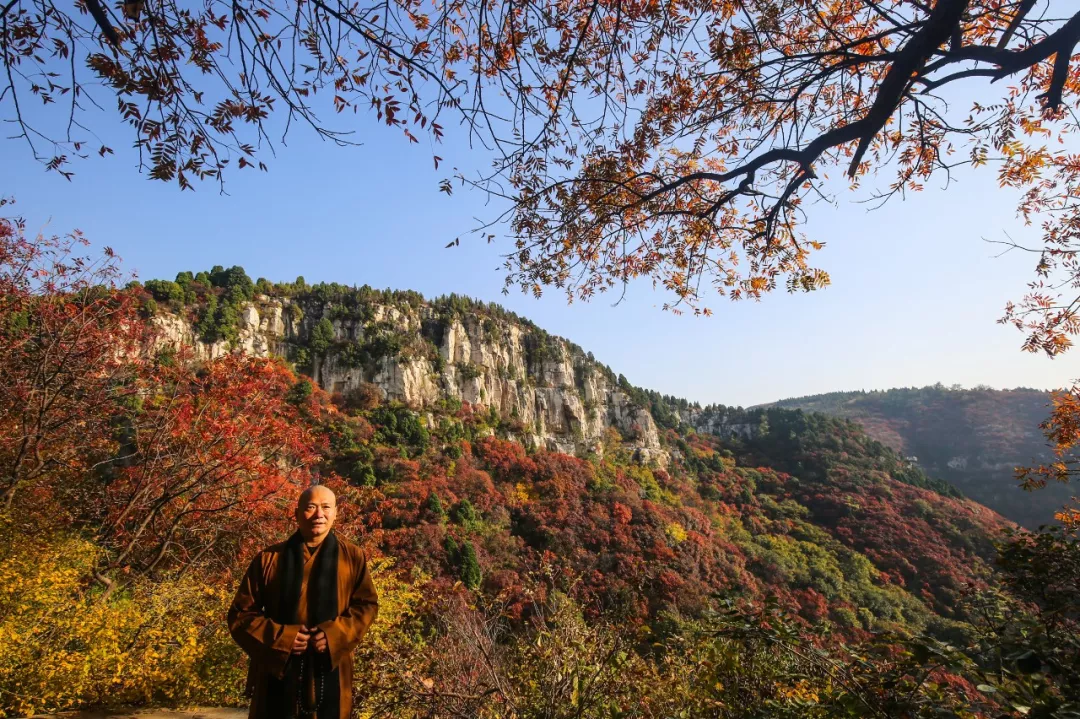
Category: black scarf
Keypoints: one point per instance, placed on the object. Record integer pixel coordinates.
(322, 606)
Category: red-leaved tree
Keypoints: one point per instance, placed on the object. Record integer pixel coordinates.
(70, 344)
(218, 455)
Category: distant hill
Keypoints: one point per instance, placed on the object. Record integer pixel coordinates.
(972, 438)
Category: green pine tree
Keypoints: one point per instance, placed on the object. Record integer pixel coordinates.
(463, 513)
(470, 567)
(434, 505)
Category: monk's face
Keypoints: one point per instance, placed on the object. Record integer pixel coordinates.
(315, 512)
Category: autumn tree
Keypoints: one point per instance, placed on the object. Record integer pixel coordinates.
(1062, 430)
(219, 454)
(70, 343)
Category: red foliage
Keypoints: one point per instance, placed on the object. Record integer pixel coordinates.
(812, 605)
(69, 345)
(507, 459)
(621, 513)
(219, 456)
(201, 464)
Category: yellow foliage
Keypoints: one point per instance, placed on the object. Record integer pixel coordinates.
(523, 493)
(150, 643)
(398, 601)
(67, 647)
(1070, 517)
(800, 691)
(675, 532)
(393, 646)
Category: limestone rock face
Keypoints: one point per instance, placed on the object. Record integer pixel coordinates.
(712, 421)
(261, 332)
(548, 391)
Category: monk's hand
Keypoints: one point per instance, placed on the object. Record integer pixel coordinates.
(321, 643)
(300, 644)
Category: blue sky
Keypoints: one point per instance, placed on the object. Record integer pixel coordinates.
(915, 295)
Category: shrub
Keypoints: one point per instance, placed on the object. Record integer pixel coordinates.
(165, 291)
(299, 392)
(398, 427)
(363, 398)
(67, 647)
(468, 371)
(434, 506)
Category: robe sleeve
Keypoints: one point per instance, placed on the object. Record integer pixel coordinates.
(267, 642)
(345, 632)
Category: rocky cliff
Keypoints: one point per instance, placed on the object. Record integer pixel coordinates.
(550, 393)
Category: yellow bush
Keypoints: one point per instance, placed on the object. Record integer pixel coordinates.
(398, 600)
(676, 533)
(65, 647)
(150, 643)
(393, 646)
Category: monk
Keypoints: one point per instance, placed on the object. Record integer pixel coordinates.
(301, 608)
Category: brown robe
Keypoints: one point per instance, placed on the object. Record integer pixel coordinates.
(268, 643)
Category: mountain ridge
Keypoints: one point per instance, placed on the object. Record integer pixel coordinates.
(547, 389)
(468, 462)
(421, 353)
(973, 438)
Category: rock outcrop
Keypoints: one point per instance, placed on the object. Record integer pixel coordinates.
(550, 393)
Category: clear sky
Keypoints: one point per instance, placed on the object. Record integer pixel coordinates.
(915, 295)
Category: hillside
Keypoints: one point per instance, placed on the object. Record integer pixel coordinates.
(972, 438)
(655, 503)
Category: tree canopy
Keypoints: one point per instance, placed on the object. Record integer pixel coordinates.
(679, 142)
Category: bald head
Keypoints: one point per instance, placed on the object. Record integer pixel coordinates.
(316, 492)
(316, 510)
